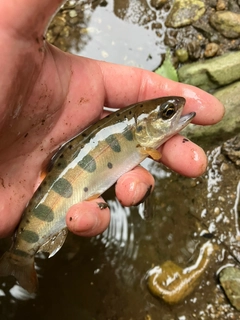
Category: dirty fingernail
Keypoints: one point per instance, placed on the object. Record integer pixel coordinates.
(142, 191)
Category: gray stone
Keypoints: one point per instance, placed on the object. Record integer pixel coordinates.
(211, 136)
(213, 73)
(185, 12)
(227, 23)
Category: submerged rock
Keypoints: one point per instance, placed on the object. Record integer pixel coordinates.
(172, 283)
(230, 282)
(184, 12)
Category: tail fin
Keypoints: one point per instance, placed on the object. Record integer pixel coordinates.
(23, 271)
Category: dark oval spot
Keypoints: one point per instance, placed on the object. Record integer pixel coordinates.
(43, 212)
(110, 165)
(29, 236)
(63, 188)
(128, 135)
(113, 143)
(88, 163)
(21, 253)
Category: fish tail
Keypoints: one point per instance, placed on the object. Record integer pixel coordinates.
(23, 271)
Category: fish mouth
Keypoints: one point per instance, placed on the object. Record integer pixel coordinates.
(185, 120)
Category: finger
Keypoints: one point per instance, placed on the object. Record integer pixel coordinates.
(132, 84)
(184, 156)
(134, 186)
(88, 218)
(34, 16)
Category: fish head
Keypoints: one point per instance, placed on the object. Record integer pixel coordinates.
(162, 122)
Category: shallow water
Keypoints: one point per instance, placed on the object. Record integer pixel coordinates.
(130, 35)
(105, 277)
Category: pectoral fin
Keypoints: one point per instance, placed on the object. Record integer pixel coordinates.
(55, 243)
(153, 153)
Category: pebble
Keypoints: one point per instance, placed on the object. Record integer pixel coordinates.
(222, 199)
(194, 50)
(216, 210)
(221, 5)
(72, 13)
(211, 50)
(224, 167)
(181, 54)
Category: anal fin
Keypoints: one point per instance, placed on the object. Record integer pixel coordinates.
(55, 243)
(95, 196)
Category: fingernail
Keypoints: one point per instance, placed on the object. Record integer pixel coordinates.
(142, 191)
(85, 222)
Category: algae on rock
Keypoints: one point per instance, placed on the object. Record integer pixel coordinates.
(184, 12)
(213, 73)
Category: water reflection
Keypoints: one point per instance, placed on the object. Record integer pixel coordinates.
(92, 29)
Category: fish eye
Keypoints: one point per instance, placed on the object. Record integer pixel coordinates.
(168, 111)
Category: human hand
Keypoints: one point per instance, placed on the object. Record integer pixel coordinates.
(48, 96)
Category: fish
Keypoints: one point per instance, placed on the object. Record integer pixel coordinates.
(83, 169)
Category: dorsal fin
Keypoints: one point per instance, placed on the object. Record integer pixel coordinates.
(55, 243)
